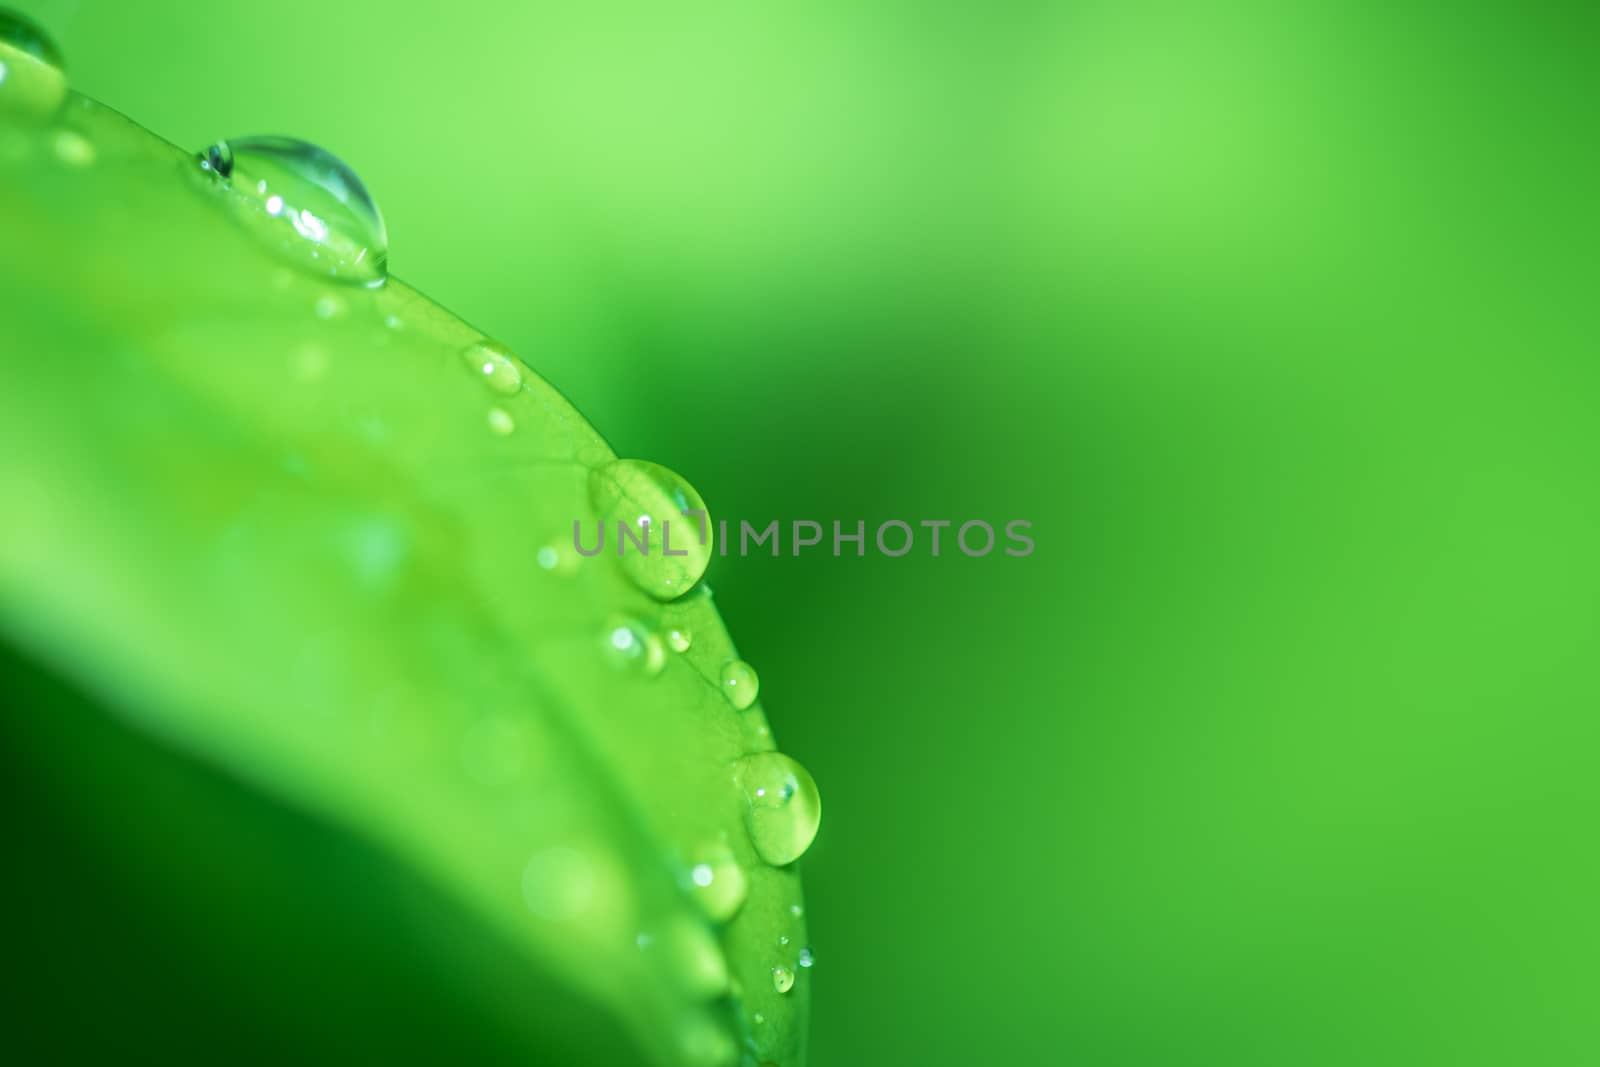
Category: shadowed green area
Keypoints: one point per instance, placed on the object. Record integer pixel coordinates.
(319, 949)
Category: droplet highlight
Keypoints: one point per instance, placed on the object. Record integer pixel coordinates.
(33, 78)
(667, 543)
(740, 683)
(783, 806)
(306, 204)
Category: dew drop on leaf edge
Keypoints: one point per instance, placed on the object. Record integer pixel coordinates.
(740, 683)
(33, 78)
(495, 365)
(783, 807)
(654, 504)
(306, 204)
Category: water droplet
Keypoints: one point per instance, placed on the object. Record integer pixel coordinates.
(784, 807)
(559, 558)
(796, 910)
(806, 958)
(630, 643)
(501, 422)
(739, 683)
(720, 884)
(677, 546)
(329, 307)
(33, 79)
(73, 148)
(783, 939)
(307, 204)
(758, 1018)
(492, 361)
(782, 979)
(679, 638)
(595, 455)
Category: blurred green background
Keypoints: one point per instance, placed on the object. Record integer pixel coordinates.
(1278, 323)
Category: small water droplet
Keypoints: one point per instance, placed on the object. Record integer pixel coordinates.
(630, 643)
(784, 808)
(492, 361)
(501, 422)
(679, 638)
(558, 558)
(73, 148)
(653, 500)
(33, 78)
(306, 204)
(806, 958)
(394, 322)
(783, 939)
(719, 883)
(796, 910)
(329, 307)
(758, 1018)
(782, 979)
(739, 683)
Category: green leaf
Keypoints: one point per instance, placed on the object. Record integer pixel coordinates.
(282, 529)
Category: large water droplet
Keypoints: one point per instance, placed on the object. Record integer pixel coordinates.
(782, 979)
(492, 361)
(306, 204)
(720, 884)
(784, 807)
(33, 79)
(739, 683)
(652, 501)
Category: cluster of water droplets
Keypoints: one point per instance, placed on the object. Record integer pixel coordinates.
(314, 211)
